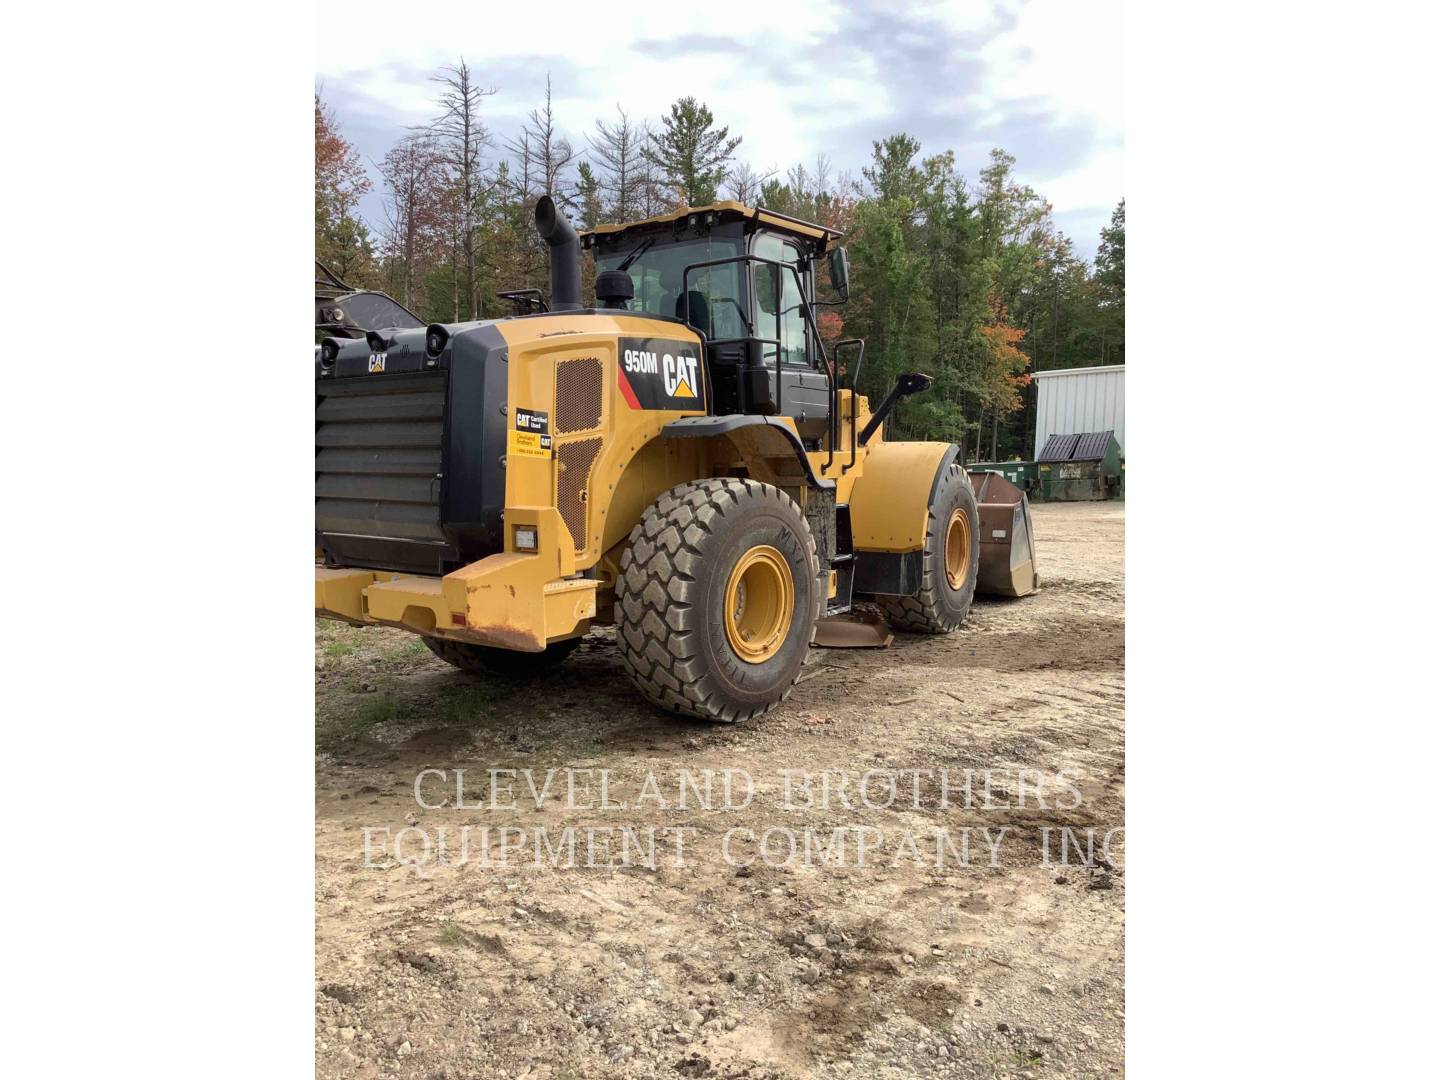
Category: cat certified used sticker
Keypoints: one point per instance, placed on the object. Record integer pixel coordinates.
(658, 374)
(530, 437)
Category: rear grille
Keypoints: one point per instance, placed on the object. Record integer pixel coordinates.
(378, 444)
(579, 392)
(572, 483)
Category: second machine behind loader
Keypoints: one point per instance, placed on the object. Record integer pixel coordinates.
(679, 461)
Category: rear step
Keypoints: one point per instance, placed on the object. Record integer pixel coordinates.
(843, 563)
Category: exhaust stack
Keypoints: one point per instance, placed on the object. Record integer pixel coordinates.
(556, 231)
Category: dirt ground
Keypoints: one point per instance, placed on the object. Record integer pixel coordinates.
(706, 955)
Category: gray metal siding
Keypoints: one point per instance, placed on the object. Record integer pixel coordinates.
(1080, 400)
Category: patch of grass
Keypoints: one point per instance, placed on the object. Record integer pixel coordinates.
(374, 710)
(335, 642)
(452, 934)
(406, 651)
(467, 704)
(354, 720)
(1011, 1059)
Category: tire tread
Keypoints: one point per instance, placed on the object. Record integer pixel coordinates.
(659, 601)
(924, 613)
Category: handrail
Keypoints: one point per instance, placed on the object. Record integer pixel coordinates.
(534, 299)
(854, 392)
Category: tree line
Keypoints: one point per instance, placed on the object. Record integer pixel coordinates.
(967, 280)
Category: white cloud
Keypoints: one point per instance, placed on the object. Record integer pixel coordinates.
(1067, 56)
(1096, 184)
(1067, 53)
(792, 79)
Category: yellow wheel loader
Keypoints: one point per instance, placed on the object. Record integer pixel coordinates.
(679, 461)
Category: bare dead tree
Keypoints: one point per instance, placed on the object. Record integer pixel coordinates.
(462, 138)
(616, 148)
(743, 182)
(414, 177)
(810, 191)
(543, 155)
(654, 194)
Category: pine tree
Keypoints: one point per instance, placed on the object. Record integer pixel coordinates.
(893, 175)
(1110, 285)
(690, 153)
(891, 307)
(588, 194)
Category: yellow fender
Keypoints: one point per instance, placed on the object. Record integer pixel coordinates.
(890, 501)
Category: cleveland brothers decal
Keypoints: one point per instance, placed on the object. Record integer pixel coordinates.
(531, 434)
(660, 374)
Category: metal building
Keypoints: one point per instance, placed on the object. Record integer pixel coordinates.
(1074, 400)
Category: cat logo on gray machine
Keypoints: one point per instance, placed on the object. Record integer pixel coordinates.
(377, 362)
(655, 373)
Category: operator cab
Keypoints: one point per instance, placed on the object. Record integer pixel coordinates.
(744, 280)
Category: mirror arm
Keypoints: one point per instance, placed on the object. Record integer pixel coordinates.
(912, 382)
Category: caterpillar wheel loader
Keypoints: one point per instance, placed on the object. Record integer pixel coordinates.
(680, 460)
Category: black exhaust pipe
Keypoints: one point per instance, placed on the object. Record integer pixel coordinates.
(556, 231)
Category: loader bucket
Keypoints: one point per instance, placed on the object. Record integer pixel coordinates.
(1007, 542)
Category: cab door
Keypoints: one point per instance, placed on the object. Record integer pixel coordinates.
(804, 391)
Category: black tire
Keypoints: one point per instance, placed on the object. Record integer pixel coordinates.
(500, 663)
(939, 607)
(671, 598)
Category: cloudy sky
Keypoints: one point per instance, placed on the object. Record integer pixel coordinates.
(1041, 78)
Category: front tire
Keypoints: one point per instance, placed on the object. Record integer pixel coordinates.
(717, 601)
(949, 565)
(500, 663)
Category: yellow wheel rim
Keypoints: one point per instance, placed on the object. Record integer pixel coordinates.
(759, 604)
(957, 549)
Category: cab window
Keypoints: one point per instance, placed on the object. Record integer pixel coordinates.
(714, 301)
(792, 330)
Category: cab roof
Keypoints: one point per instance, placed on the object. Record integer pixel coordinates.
(727, 208)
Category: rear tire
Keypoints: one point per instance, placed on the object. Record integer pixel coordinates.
(717, 600)
(949, 565)
(500, 663)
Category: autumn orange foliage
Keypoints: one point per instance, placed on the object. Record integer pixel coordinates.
(1005, 374)
(340, 177)
(832, 325)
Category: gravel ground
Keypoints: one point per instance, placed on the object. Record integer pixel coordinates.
(698, 951)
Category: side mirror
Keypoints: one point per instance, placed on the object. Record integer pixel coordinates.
(913, 382)
(840, 273)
